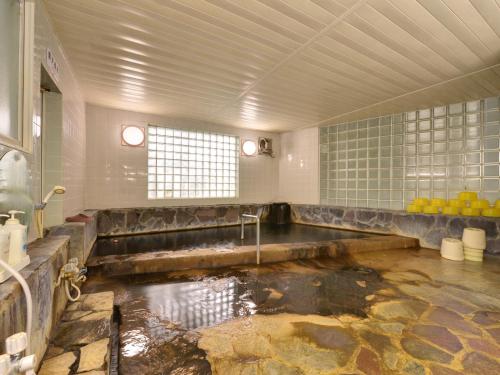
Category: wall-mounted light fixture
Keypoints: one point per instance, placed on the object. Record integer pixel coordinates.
(248, 148)
(133, 136)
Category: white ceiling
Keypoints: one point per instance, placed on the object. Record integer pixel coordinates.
(280, 64)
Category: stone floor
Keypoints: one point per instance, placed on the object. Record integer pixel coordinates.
(386, 312)
(81, 343)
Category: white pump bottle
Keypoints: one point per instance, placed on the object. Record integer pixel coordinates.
(18, 257)
(15, 255)
(4, 242)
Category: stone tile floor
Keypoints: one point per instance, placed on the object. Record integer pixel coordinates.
(400, 312)
(415, 325)
(81, 341)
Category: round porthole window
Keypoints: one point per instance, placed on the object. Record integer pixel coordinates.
(132, 136)
(249, 148)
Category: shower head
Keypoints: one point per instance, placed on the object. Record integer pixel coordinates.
(55, 190)
(59, 189)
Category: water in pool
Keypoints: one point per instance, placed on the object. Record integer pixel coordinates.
(221, 237)
(386, 312)
(161, 315)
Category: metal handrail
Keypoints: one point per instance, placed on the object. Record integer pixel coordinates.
(258, 231)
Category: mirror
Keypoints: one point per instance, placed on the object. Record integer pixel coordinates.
(16, 43)
(15, 185)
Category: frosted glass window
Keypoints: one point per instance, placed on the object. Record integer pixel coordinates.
(410, 116)
(439, 111)
(424, 137)
(455, 108)
(424, 113)
(455, 133)
(439, 159)
(439, 123)
(491, 103)
(191, 164)
(456, 121)
(439, 147)
(491, 143)
(411, 127)
(424, 125)
(491, 170)
(473, 119)
(473, 106)
(474, 170)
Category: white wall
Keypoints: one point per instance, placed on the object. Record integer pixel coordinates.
(73, 108)
(299, 167)
(53, 213)
(117, 175)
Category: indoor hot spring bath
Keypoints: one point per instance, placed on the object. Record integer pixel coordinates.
(250, 187)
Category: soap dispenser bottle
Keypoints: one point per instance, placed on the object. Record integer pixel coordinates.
(4, 242)
(18, 246)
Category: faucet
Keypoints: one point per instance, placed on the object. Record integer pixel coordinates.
(257, 217)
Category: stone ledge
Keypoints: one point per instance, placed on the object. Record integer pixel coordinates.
(429, 229)
(82, 235)
(142, 220)
(81, 342)
(163, 261)
(47, 255)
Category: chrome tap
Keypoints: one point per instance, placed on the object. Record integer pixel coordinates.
(257, 217)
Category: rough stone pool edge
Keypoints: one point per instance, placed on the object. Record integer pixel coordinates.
(429, 229)
(165, 261)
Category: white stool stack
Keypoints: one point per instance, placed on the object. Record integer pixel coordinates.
(474, 242)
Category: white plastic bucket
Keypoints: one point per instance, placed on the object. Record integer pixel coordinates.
(452, 249)
(474, 238)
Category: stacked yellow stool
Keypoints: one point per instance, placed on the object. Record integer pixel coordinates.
(467, 204)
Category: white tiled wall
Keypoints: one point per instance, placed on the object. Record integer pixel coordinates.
(299, 166)
(73, 107)
(387, 161)
(52, 160)
(117, 175)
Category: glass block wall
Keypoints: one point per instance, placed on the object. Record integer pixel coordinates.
(387, 161)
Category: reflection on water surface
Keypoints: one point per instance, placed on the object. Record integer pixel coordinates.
(159, 313)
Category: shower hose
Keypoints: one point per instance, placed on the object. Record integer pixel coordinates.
(29, 301)
(71, 284)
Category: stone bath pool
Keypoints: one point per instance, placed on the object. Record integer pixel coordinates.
(386, 312)
(222, 247)
(220, 238)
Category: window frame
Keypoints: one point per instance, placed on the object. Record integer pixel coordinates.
(24, 141)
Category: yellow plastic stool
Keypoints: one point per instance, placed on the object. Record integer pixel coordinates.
(451, 210)
(491, 212)
(456, 203)
(438, 202)
(421, 201)
(481, 203)
(470, 211)
(413, 209)
(432, 210)
(467, 196)
(497, 203)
